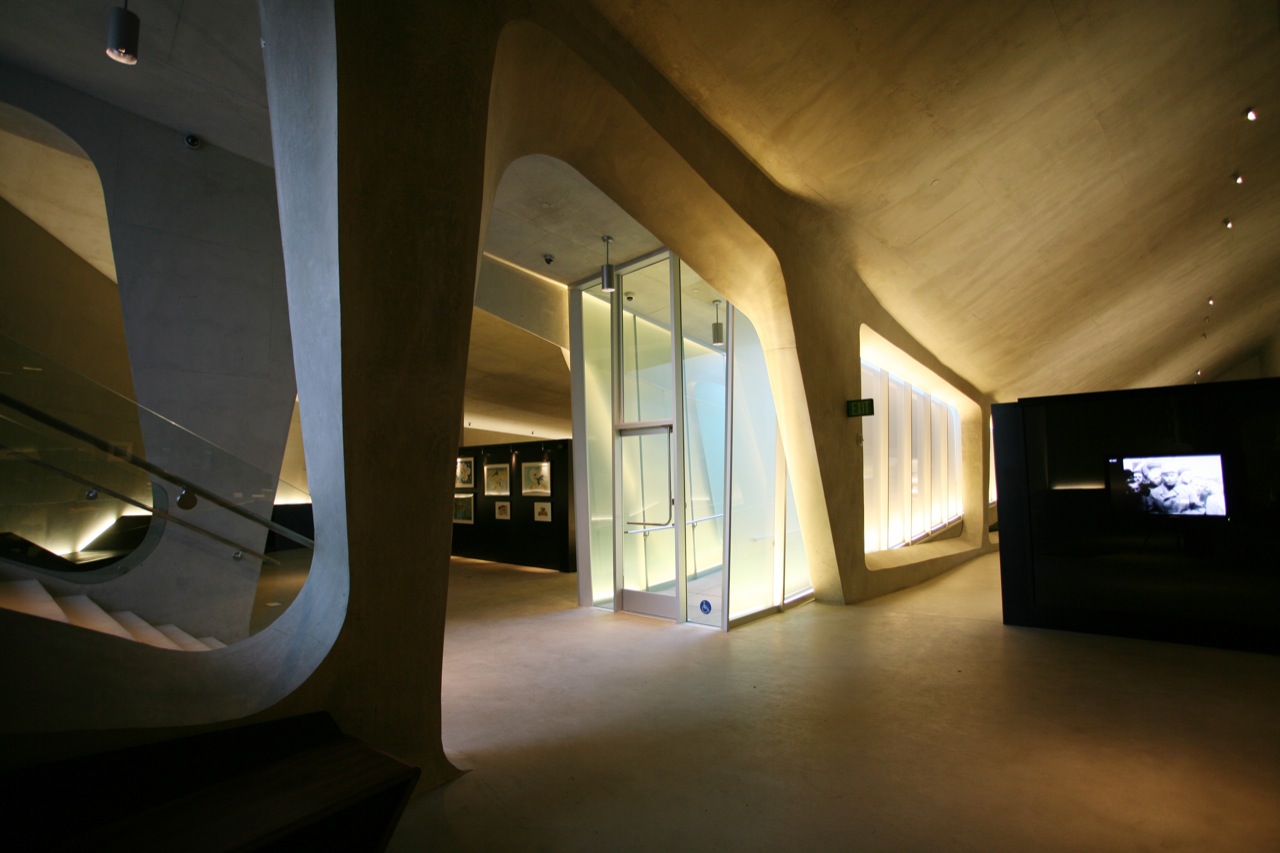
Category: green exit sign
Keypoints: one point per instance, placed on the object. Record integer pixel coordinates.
(860, 408)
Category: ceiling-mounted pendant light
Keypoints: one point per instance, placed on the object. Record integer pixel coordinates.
(608, 276)
(717, 328)
(122, 35)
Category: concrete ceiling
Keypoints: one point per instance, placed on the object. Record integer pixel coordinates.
(54, 184)
(517, 383)
(1036, 190)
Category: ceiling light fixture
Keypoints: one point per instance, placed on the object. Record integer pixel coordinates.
(1251, 114)
(717, 328)
(1227, 222)
(608, 275)
(1210, 300)
(122, 35)
(1238, 178)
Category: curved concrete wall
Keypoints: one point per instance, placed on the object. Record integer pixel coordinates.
(195, 236)
(777, 256)
(201, 279)
(390, 140)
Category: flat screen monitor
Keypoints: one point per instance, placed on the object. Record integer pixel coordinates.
(1184, 485)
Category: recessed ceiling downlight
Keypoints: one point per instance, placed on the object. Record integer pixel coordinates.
(1251, 114)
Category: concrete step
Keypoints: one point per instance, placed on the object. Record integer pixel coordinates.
(81, 610)
(32, 598)
(142, 630)
(185, 641)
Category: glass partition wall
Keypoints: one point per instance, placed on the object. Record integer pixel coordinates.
(687, 513)
(911, 463)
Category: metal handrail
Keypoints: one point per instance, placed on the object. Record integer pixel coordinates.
(40, 463)
(650, 527)
(151, 468)
(647, 530)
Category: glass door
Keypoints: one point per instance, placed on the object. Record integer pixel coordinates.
(689, 515)
(648, 504)
(649, 567)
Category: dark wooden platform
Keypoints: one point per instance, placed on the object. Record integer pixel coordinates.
(289, 784)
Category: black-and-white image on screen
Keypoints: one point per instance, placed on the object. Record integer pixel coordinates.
(1169, 485)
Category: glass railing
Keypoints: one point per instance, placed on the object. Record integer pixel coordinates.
(59, 497)
(92, 480)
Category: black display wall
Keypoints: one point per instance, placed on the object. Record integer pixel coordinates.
(1085, 545)
(530, 525)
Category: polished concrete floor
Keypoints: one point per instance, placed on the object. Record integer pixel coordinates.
(913, 722)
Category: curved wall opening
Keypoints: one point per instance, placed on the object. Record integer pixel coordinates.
(918, 453)
(64, 353)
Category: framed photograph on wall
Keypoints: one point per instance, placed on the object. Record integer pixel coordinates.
(502, 510)
(542, 511)
(464, 476)
(464, 509)
(535, 479)
(497, 479)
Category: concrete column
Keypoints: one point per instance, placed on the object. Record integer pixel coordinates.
(398, 98)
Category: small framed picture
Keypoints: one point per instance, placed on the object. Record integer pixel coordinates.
(497, 479)
(502, 510)
(542, 511)
(535, 479)
(464, 509)
(464, 476)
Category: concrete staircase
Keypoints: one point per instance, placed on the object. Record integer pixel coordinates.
(31, 597)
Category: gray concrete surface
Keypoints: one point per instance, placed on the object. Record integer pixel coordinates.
(197, 249)
(913, 722)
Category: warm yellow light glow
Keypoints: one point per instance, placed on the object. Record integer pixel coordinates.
(527, 272)
(886, 356)
(101, 524)
(513, 422)
(61, 547)
(287, 495)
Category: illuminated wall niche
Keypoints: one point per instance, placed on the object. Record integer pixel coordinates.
(912, 454)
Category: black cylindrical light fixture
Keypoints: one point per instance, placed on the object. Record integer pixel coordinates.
(608, 276)
(717, 328)
(122, 35)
